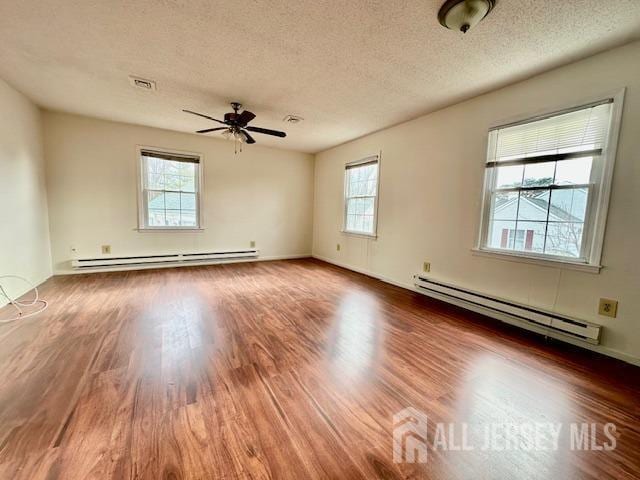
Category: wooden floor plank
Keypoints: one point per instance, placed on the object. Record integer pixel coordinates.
(287, 369)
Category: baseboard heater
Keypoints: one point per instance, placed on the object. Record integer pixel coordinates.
(175, 258)
(511, 312)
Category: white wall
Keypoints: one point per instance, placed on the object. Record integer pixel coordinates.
(24, 225)
(430, 192)
(262, 194)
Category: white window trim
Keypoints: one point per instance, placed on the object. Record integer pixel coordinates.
(142, 227)
(597, 214)
(369, 158)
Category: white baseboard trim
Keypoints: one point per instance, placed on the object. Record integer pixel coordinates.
(124, 268)
(406, 286)
(595, 348)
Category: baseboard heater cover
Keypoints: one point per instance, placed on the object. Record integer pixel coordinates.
(177, 258)
(507, 310)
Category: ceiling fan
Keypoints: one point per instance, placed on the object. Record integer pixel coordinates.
(236, 125)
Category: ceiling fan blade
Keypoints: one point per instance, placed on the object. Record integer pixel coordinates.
(207, 130)
(248, 138)
(204, 116)
(245, 117)
(266, 131)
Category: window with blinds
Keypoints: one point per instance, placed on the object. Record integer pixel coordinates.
(544, 177)
(170, 196)
(360, 196)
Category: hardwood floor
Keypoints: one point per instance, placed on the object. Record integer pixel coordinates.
(290, 369)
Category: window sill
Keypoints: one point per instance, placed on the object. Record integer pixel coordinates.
(359, 234)
(547, 262)
(164, 229)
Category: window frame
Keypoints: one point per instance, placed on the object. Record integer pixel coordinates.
(597, 204)
(143, 219)
(369, 159)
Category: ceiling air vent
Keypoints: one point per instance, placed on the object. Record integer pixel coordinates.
(142, 83)
(293, 119)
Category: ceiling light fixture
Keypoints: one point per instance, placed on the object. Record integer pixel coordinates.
(235, 134)
(464, 14)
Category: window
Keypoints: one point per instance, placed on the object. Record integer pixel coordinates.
(360, 196)
(170, 190)
(547, 184)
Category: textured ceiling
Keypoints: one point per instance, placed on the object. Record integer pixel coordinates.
(347, 67)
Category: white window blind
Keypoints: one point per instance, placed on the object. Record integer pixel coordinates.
(361, 190)
(544, 176)
(170, 190)
(576, 131)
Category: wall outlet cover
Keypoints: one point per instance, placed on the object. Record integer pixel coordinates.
(426, 266)
(608, 307)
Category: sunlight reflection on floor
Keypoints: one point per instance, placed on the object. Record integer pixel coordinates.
(355, 338)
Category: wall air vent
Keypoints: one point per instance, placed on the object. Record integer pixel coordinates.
(142, 83)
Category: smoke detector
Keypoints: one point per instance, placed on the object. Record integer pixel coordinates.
(142, 83)
(293, 119)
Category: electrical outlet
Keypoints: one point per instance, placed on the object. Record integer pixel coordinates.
(338, 247)
(426, 267)
(72, 249)
(252, 243)
(106, 249)
(608, 307)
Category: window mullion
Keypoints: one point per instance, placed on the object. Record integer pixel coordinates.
(554, 157)
(546, 224)
(145, 207)
(361, 196)
(180, 207)
(515, 233)
(572, 186)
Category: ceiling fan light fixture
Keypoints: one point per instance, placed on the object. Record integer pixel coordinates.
(236, 126)
(462, 15)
